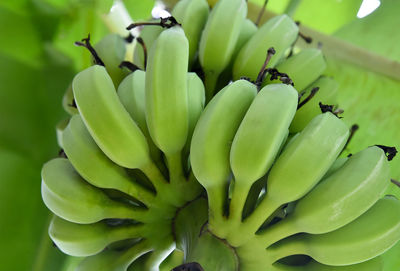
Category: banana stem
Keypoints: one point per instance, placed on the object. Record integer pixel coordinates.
(288, 247)
(125, 232)
(239, 197)
(130, 255)
(216, 204)
(210, 82)
(175, 168)
(254, 221)
(276, 232)
(153, 173)
(127, 212)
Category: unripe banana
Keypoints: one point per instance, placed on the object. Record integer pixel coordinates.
(279, 32)
(166, 91)
(67, 195)
(251, 155)
(192, 14)
(365, 238)
(112, 49)
(68, 102)
(336, 166)
(94, 166)
(214, 132)
(107, 120)
(148, 34)
(196, 102)
(326, 94)
(131, 93)
(303, 68)
(219, 38)
(339, 199)
(88, 239)
(317, 147)
(247, 30)
(61, 125)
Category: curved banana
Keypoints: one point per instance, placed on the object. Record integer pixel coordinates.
(131, 93)
(192, 14)
(94, 166)
(365, 238)
(67, 195)
(219, 38)
(338, 199)
(326, 94)
(303, 68)
(290, 178)
(279, 32)
(210, 147)
(112, 49)
(251, 155)
(107, 120)
(148, 34)
(88, 239)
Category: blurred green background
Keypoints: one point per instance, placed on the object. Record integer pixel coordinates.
(38, 61)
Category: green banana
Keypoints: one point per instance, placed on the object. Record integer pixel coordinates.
(131, 93)
(67, 195)
(210, 147)
(219, 38)
(339, 199)
(196, 102)
(192, 14)
(303, 68)
(112, 49)
(279, 32)
(107, 120)
(326, 94)
(316, 147)
(94, 166)
(248, 29)
(166, 91)
(68, 101)
(251, 155)
(365, 238)
(336, 166)
(88, 239)
(148, 34)
(59, 130)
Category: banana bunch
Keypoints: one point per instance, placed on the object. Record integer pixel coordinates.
(220, 148)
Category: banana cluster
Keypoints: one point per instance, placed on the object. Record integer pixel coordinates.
(214, 106)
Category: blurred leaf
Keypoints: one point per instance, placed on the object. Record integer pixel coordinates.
(325, 16)
(23, 218)
(19, 38)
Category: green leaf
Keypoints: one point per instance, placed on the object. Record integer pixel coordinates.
(23, 216)
(139, 9)
(325, 16)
